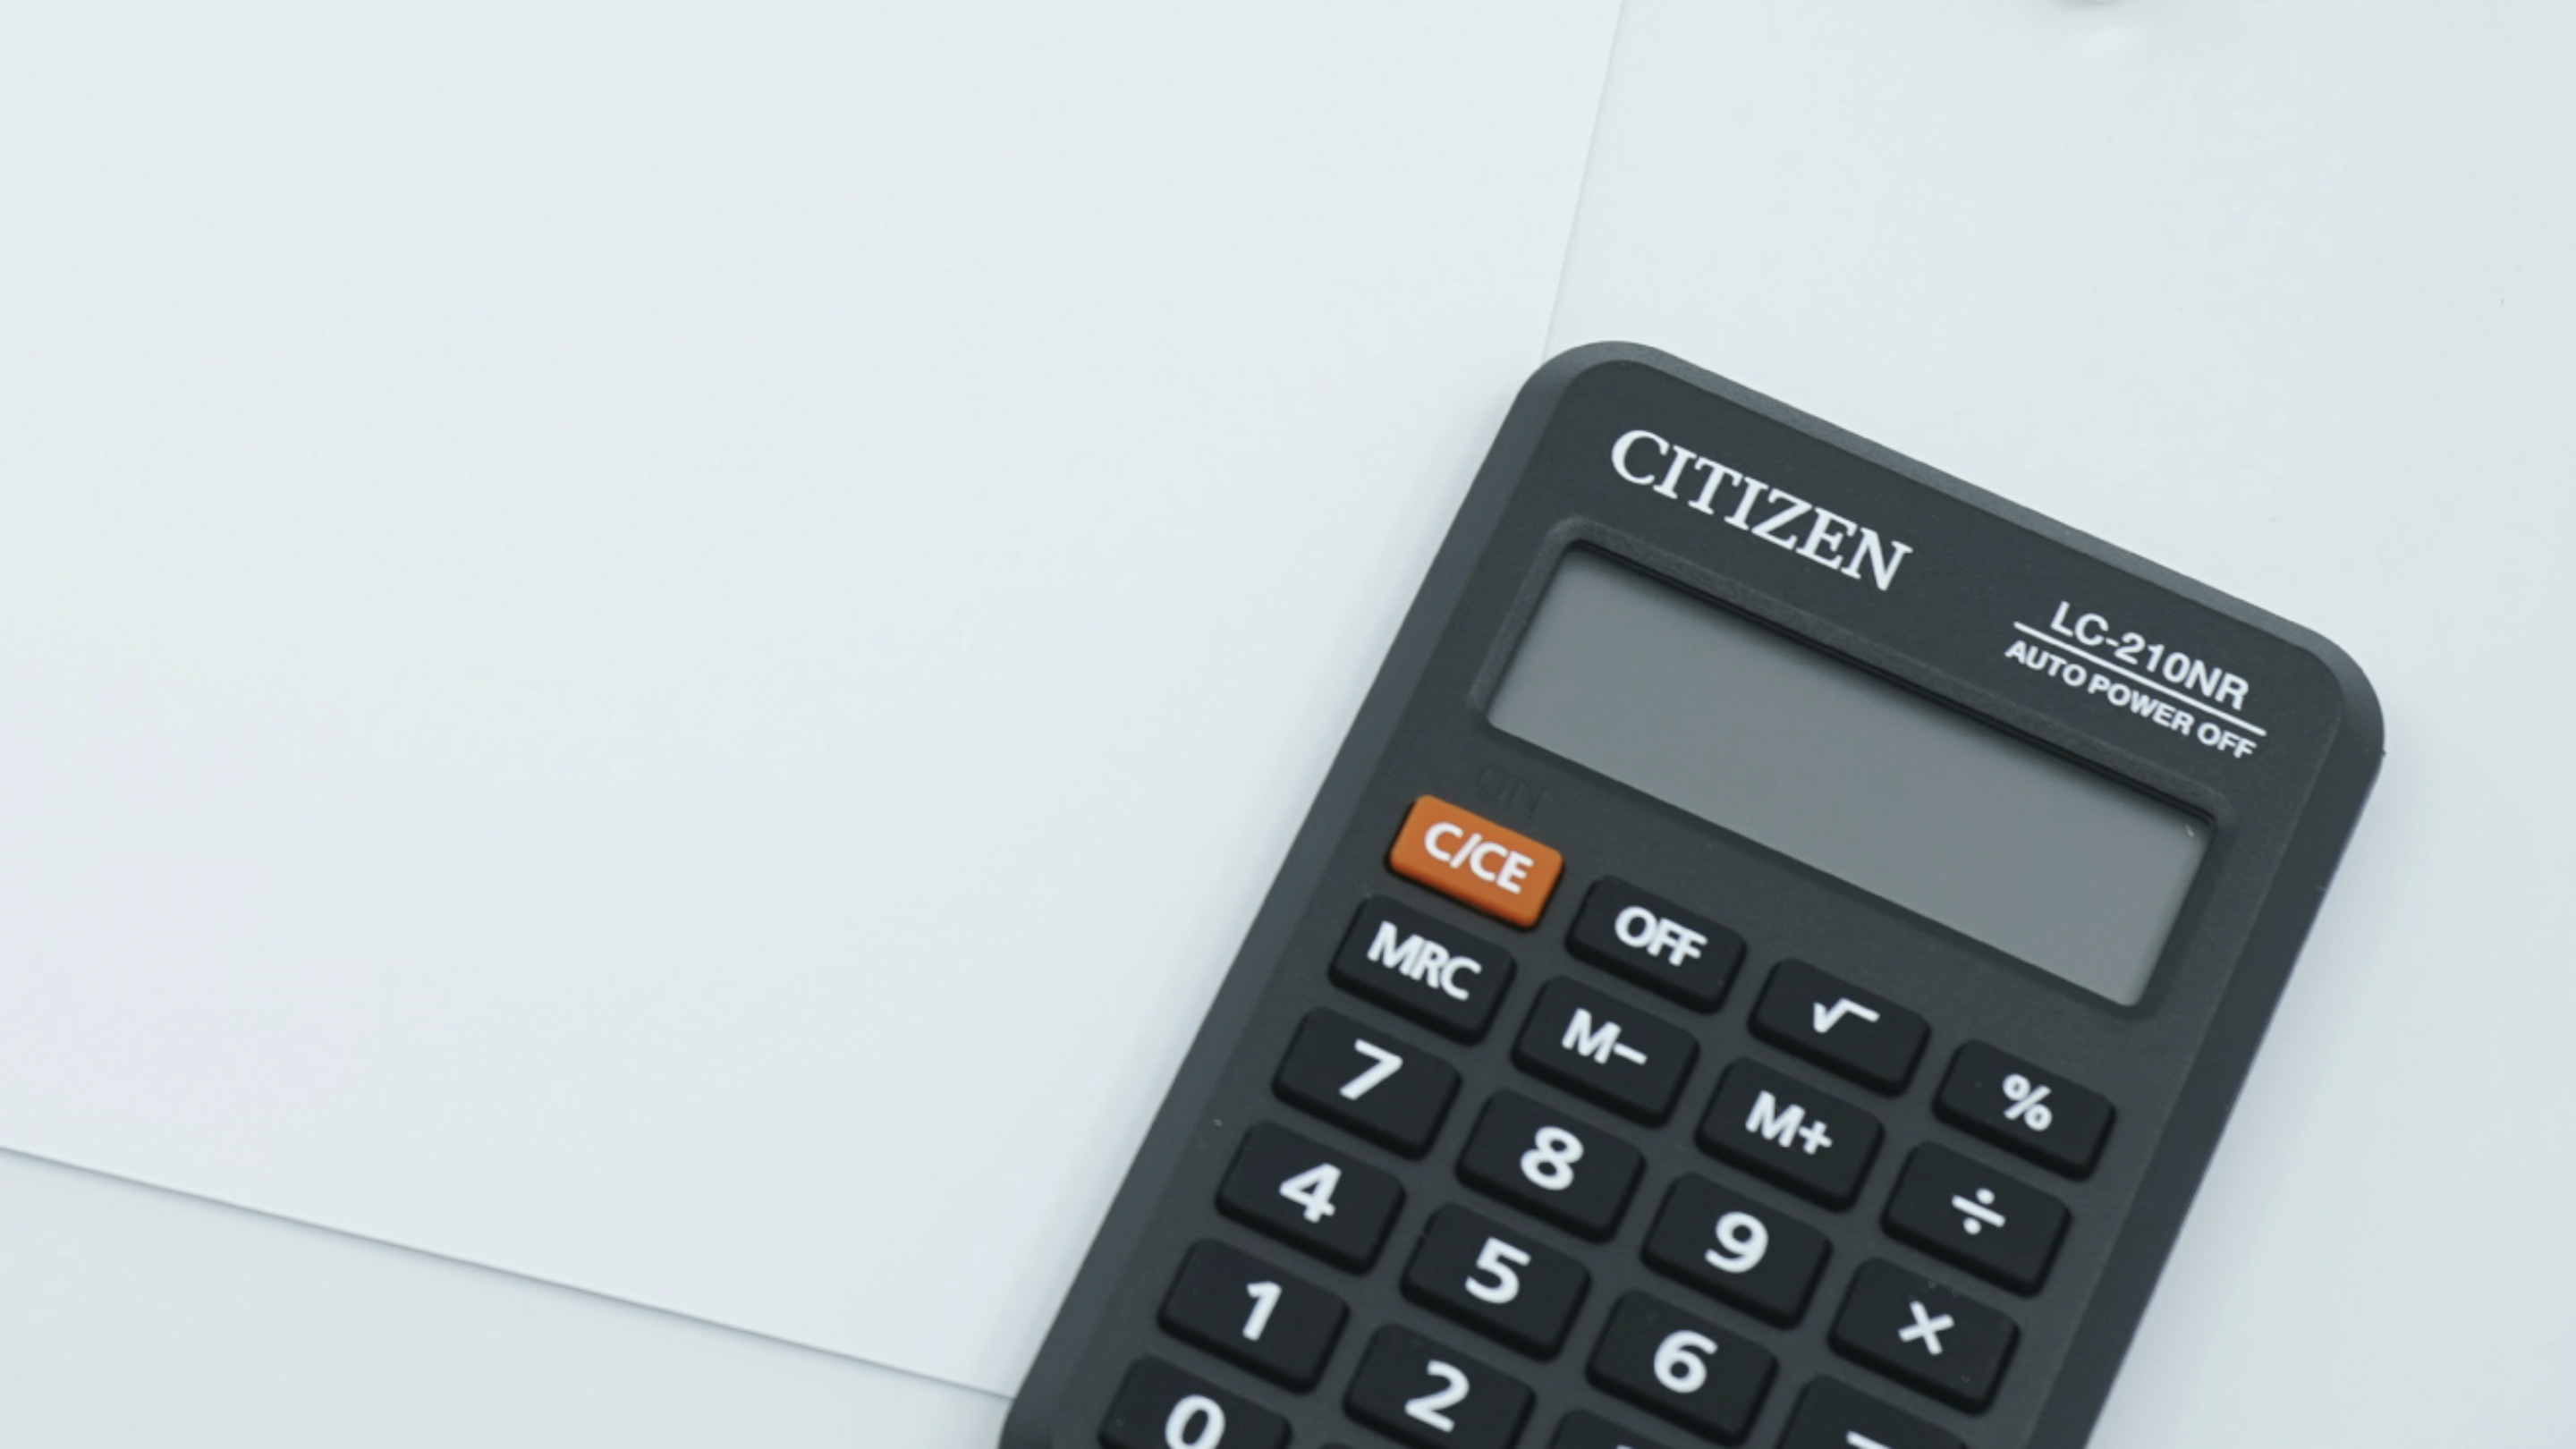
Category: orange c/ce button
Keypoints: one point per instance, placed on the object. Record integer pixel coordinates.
(1500, 872)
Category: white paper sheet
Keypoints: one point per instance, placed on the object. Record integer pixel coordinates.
(666, 647)
(2277, 294)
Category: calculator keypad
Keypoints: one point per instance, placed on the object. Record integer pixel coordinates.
(1551, 1164)
(1739, 1232)
(1373, 1083)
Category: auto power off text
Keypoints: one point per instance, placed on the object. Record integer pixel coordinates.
(2127, 671)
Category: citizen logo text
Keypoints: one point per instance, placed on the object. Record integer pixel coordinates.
(1764, 510)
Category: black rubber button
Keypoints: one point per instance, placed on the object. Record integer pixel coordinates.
(1542, 1160)
(1159, 1406)
(1789, 1132)
(1425, 968)
(1235, 1306)
(1739, 1251)
(1599, 1047)
(2022, 1108)
(1976, 1217)
(1840, 1027)
(1656, 944)
(1375, 1084)
(1414, 1390)
(1922, 1334)
(1321, 1199)
(1501, 1281)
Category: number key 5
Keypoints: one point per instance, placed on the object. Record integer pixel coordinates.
(1499, 1281)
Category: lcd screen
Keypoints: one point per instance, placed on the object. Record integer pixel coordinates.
(1699, 707)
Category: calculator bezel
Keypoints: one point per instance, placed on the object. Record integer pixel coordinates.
(2276, 834)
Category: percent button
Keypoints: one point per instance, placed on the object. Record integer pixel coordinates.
(2025, 1108)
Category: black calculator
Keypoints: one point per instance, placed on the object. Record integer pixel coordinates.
(1769, 965)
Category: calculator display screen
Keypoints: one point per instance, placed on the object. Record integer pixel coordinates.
(1904, 797)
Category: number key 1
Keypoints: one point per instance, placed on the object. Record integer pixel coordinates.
(1238, 1307)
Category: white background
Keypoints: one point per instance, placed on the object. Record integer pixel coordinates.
(485, 498)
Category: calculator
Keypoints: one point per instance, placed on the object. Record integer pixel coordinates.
(1769, 965)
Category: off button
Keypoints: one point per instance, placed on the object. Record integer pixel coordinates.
(1501, 872)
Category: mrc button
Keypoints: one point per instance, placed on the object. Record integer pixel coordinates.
(1656, 944)
(1469, 858)
(1444, 978)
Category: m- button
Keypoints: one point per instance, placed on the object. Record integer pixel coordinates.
(1501, 872)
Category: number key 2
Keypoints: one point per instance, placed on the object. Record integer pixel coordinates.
(1537, 1158)
(1236, 1306)
(1433, 1397)
(1372, 1082)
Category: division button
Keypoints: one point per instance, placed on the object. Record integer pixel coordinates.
(1543, 1161)
(1469, 858)
(1919, 1333)
(2024, 1109)
(1583, 1429)
(1840, 1027)
(1831, 1416)
(1379, 1086)
(1159, 1406)
(1977, 1218)
(1431, 1397)
(1594, 1045)
(1682, 1367)
(1736, 1250)
(1791, 1133)
(1409, 962)
(1237, 1307)
(1501, 1281)
(1656, 944)
(1321, 1199)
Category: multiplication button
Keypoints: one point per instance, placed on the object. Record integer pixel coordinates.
(1790, 1133)
(1159, 1406)
(1594, 1045)
(1423, 967)
(1977, 1218)
(1656, 944)
(1840, 1027)
(2021, 1108)
(1917, 1332)
(1379, 1086)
